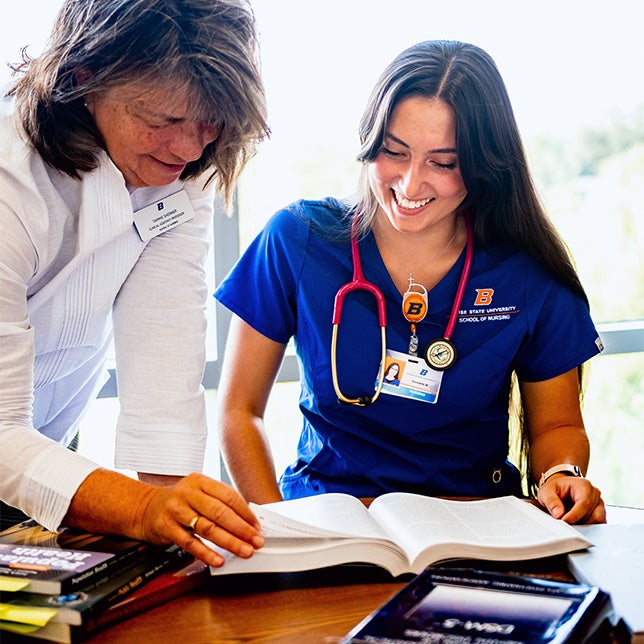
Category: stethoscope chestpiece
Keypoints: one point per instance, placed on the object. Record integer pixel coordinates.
(440, 354)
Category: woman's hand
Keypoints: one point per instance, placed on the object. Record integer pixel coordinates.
(572, 499)
(199, 505)
(557, 436)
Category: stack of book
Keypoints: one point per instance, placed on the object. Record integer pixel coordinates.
(64, 587)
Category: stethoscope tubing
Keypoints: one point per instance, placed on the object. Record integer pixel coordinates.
(359, 282)
(465, 275)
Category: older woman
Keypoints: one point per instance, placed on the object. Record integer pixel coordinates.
(113, 144)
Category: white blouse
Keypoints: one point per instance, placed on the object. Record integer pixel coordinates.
(74, 274)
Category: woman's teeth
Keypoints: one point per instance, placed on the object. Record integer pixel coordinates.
(406, 203)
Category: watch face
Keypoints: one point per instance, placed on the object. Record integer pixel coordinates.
(440, 354)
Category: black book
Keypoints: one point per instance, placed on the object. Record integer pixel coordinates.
(35, 560)
(470, 606)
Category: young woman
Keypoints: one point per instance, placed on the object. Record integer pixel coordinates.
(477, 290)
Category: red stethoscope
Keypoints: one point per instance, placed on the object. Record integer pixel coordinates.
(440, 354)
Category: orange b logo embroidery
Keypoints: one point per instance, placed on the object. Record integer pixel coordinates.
(483, 296)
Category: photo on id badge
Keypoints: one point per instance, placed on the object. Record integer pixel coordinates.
(410, 377)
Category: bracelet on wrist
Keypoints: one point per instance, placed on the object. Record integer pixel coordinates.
(564, 468)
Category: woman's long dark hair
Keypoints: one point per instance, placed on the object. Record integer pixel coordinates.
(501, 198)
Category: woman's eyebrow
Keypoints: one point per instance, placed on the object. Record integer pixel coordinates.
(151, 112)
(388, 135)
(170, 118)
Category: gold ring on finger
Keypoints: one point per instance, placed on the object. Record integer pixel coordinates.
(192, 526)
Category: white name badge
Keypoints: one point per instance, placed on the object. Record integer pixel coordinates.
(164, 215)
(410, 377)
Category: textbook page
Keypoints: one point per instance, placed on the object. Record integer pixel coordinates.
(315, 532)
(326, 515)
(492, 528)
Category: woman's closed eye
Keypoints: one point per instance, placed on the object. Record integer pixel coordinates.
(391, 153)
(445, 166)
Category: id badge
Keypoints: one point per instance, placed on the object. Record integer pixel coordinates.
(410, 377)
(163, 215)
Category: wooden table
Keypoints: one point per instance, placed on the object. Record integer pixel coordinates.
(301, 608)
(316, 607)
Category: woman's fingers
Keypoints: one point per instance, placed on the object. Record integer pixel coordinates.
(225, 506)
(572, 499)
(216, 535)
(198, 506)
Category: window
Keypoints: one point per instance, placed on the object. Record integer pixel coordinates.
(571, 70)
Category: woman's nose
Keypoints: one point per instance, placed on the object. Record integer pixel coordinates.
(190, 139)
(413, 181)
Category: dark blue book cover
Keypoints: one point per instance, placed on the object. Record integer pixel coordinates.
(481, 607)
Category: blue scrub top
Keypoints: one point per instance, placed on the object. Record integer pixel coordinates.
(284, 286)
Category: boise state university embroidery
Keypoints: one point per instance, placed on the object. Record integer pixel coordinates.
(489, 313)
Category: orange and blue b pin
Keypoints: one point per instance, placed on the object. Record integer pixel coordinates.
(414, 303)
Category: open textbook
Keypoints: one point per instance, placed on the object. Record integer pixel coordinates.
(400, 532)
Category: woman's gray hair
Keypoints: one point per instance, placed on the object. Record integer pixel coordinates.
(208, 47)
